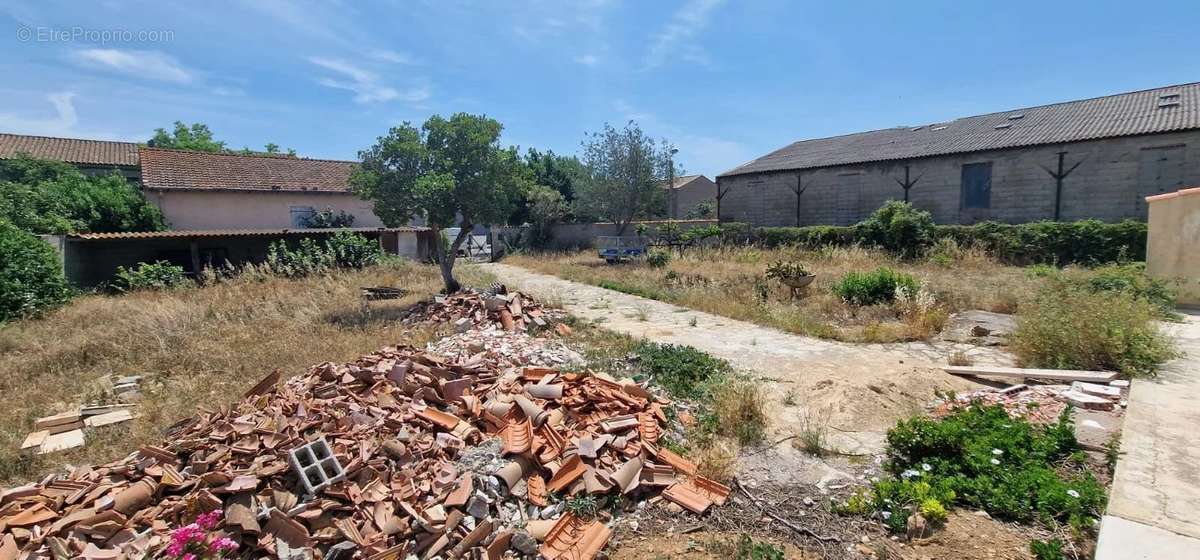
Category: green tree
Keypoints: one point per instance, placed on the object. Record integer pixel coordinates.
(449, 170)
(546, 208)
(624, 170)
(560, 173)
(272, 148)
(196, 137)
(31, 279)
(41, 196)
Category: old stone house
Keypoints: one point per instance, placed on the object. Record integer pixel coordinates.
(1093, 158)
(687, 193)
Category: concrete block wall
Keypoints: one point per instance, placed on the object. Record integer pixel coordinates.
(1110, 184)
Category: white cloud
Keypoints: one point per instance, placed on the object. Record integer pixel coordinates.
(65, 122)
(677, 37)
(588, 60)
(391, 56)
(152, 65)
(365, 84)
(228, 91)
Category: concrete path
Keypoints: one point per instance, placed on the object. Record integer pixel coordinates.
(1154, 510)
(869, 385)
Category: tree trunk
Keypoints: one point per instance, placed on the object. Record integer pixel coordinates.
(447, 255)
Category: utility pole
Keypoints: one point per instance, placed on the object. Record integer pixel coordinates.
(674, 211)
(799, 190)
(907, 184)
(720, 194)
(1058, 182)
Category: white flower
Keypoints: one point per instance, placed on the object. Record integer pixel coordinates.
(886, 514)
(995, 461)
(926, 467)
(997, 452)
(909, 473)
(1072, 493)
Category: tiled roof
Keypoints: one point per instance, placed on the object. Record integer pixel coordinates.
(175, 234)
(181, 169)
(682, 180)
(1166, 109)
(70, 150)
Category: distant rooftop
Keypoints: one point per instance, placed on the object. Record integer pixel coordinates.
(166, 169)
(1165, 109)
(71, 150)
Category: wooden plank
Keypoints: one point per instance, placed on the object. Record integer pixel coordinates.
(1029, 373)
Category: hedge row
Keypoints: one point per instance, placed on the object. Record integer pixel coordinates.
(1062, 243)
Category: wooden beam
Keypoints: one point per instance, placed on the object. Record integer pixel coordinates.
(1029, 373)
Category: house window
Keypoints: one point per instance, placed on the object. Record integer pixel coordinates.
(301, 215)
(977, 185)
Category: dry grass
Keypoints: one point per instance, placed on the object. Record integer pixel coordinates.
(739, 406)
(195, 346)
(730, 281)
(716, 460)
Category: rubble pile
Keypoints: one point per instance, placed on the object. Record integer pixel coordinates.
(392, 455)
(1041, 404)
(502, 349)
(470, 309)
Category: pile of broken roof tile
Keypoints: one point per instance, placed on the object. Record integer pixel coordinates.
(1040, 404)
(381, 445)
(472, 309)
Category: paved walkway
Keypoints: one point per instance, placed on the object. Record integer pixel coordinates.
(1154, 510)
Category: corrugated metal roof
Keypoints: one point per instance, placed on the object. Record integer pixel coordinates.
(182, 169)
(178, 234)
(1165, 109)
(70, 150)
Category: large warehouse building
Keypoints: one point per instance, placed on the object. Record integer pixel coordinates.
(1094, 158)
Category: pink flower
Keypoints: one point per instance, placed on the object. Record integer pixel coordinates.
(210, 520)
(224, 544)
(189, 556)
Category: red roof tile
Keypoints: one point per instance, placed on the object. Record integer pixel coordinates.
(181, 169)
(70, 150)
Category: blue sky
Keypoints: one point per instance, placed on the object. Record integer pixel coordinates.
(726, 81)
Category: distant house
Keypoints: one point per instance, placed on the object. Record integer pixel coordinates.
(204, 191)
(687, 192)
(1094, 158)
(93, 157)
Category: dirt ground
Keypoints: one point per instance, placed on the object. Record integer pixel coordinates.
(858, 390)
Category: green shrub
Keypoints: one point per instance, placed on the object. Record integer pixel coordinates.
(750, 549)
(1047, 550)
(159, 275)
(327, 218)
(898, 228)
(1131, 279)
(780, 270)
(701, 233)
(31, 279)
(870, 288)
(683, 371)
(1067, 327)
(981, 457)
(658, 259)
(341, 250)
(53, 197)
(809, 237)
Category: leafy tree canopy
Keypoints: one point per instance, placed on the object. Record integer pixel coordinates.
(451, 171)
(196, 137)
(53, 197)
(624, 170)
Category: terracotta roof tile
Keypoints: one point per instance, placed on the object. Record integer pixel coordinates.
(70, 150)
(182, 169)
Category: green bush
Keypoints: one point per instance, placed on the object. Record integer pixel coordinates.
(54, 197)
(31, 279)
(682, 370)
(1070, 327)
(658, 259)
(1047, 550)
(981, 457)
(159, 275)
(750, 549)
(340, 250)
(870, 288)
(1131, 279)
(905, 231)
(898, 228)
